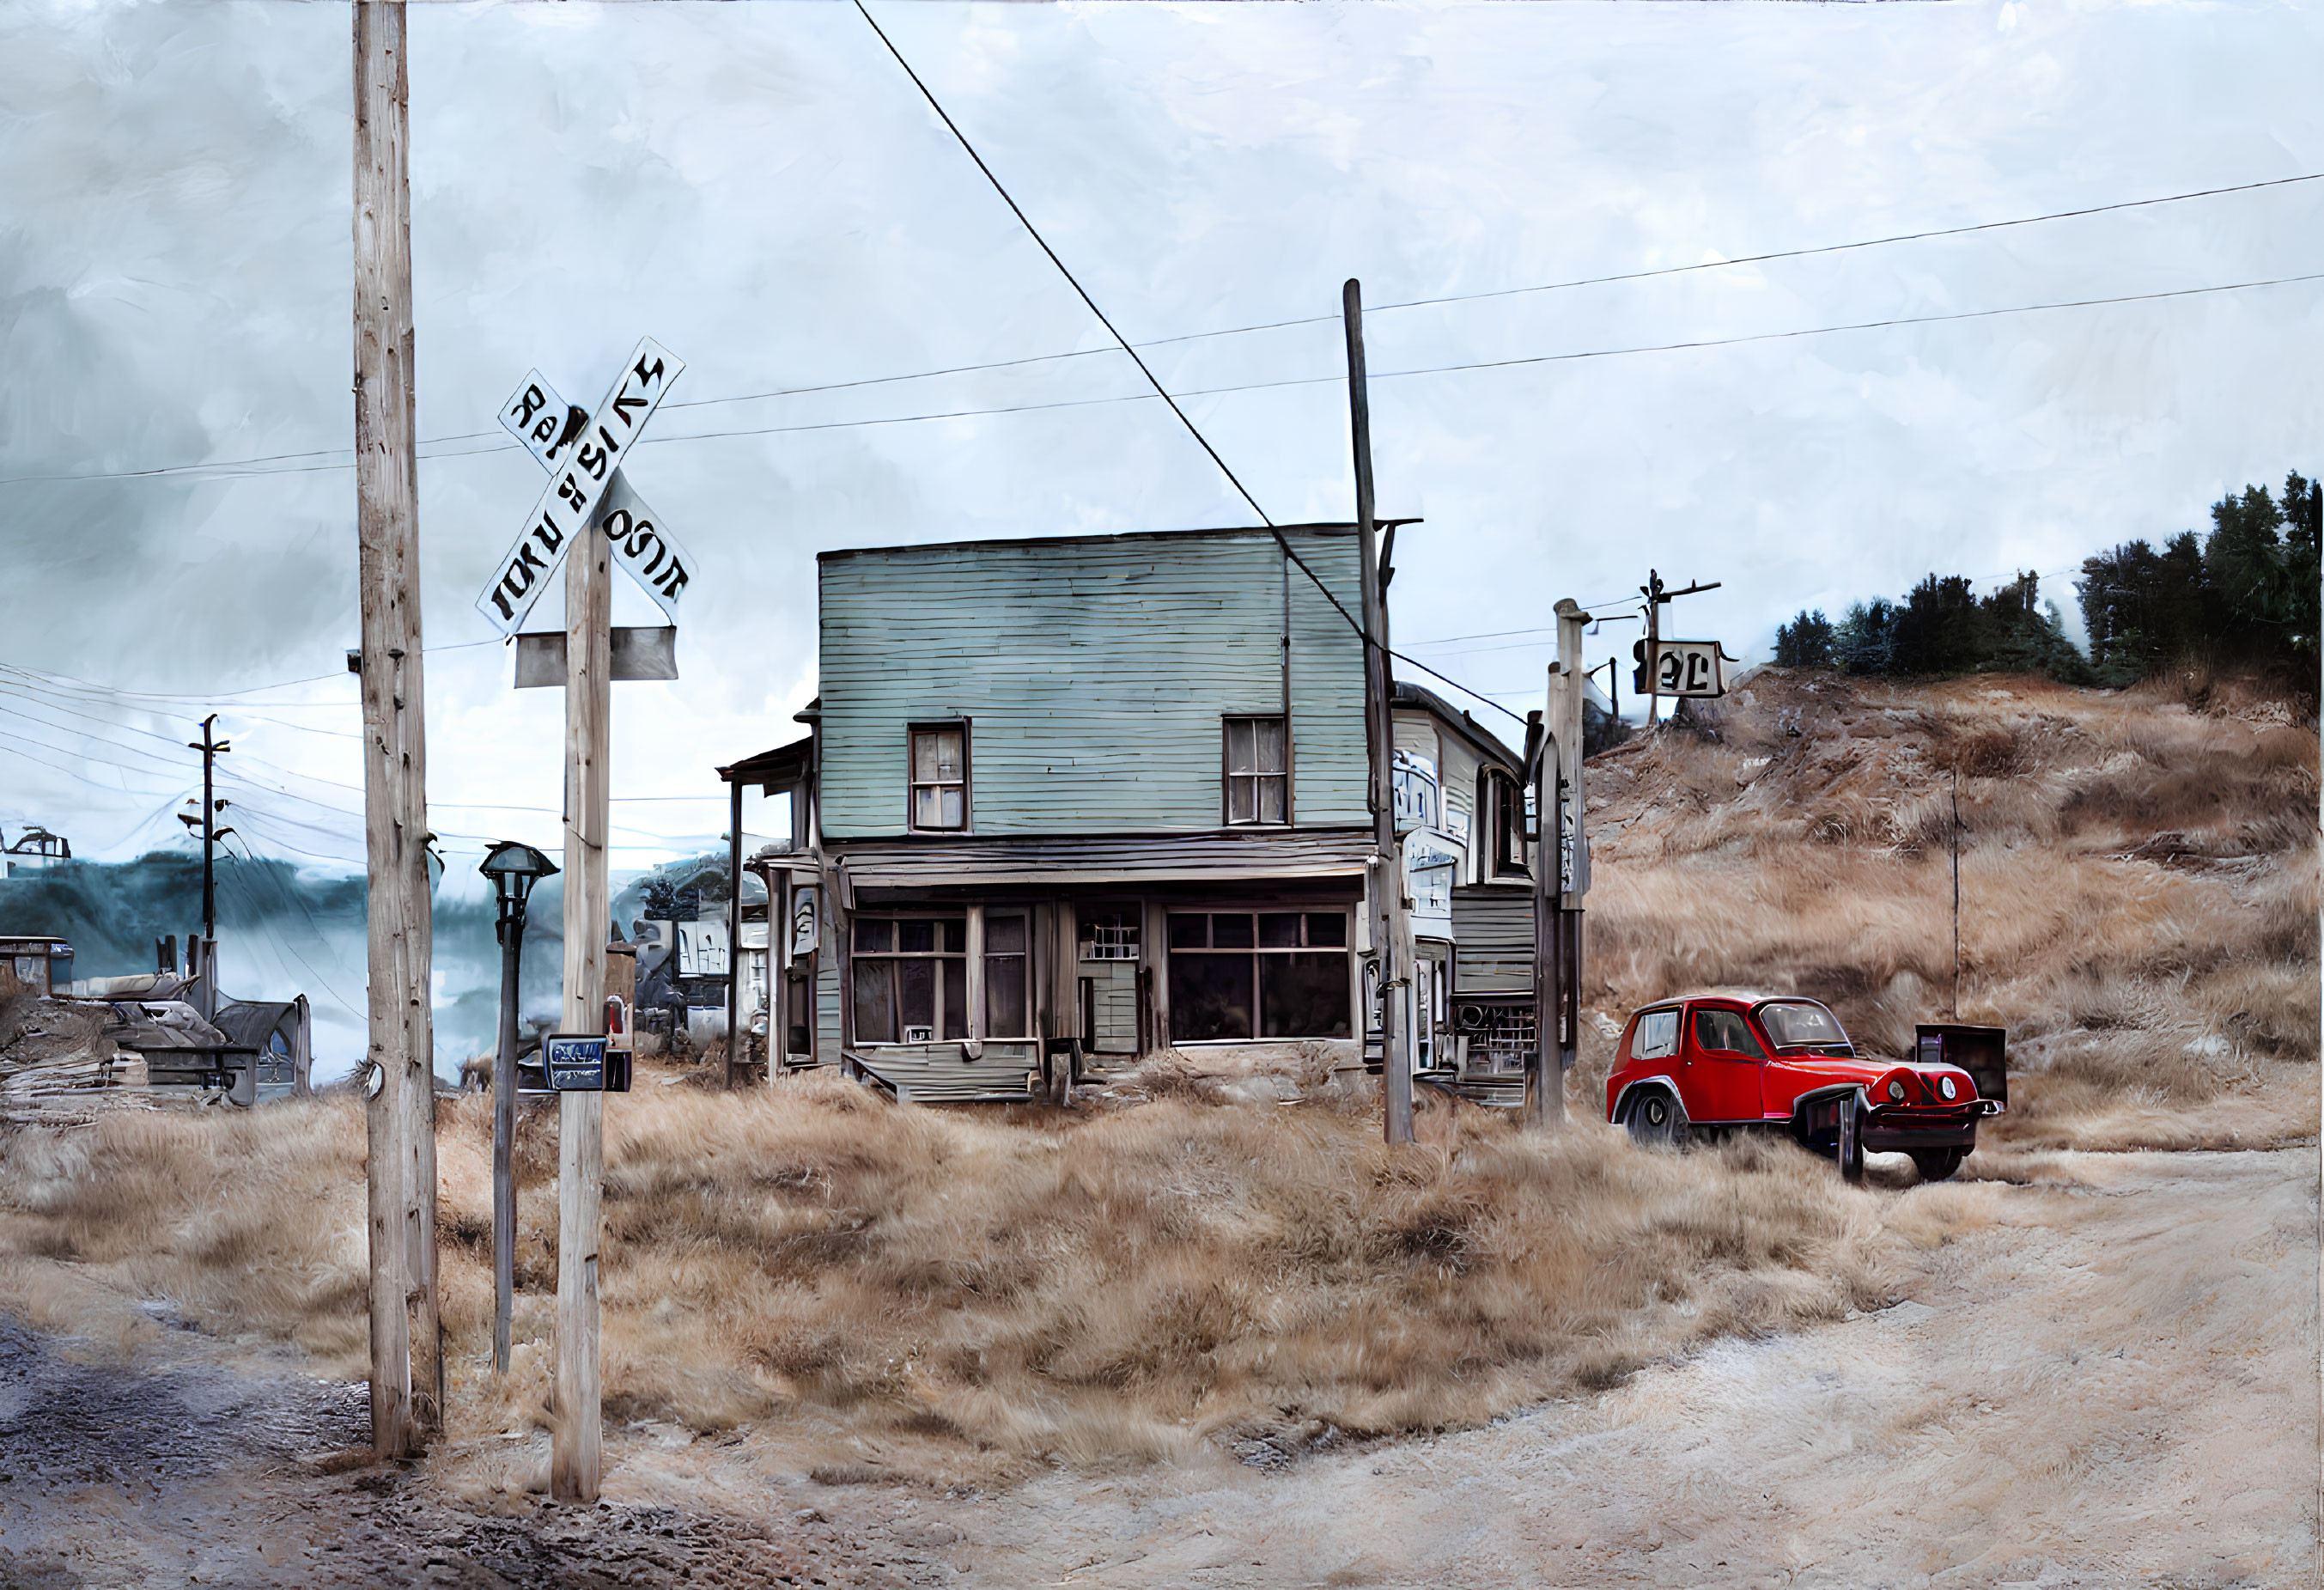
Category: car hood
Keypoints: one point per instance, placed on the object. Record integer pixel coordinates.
(1866, 1069)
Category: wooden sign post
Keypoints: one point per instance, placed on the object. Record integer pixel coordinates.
(588, 519)
(574, 1456)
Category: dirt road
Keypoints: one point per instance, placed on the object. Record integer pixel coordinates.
(2108, 1377)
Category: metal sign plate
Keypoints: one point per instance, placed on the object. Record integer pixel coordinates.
(1689, 668)
(578, 485)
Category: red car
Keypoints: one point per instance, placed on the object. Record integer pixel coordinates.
(1728, 1061)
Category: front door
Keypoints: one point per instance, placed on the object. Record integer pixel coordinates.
(1723, 1073)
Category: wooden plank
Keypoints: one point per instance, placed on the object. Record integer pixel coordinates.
(406, 1400)
(575, 1458)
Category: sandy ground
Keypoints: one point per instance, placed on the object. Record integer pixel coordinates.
(2110, 1378)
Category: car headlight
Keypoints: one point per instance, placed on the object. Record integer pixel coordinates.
(1896, 1088)
(1945, 1086)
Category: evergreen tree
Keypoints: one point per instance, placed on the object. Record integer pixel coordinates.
(1805, 641)
(1866, 639)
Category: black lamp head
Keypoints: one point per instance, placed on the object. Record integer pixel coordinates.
(514, 869)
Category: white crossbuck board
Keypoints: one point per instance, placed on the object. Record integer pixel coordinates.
(586, 487)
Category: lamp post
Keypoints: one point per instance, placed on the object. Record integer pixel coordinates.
(514, 869)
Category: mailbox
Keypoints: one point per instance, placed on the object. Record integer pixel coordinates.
(579, 1062)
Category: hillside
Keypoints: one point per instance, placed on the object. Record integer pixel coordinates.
(2138, 885)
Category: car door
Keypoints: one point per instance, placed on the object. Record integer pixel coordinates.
(1724, 1061)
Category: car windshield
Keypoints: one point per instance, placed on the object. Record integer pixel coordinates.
(1791, 1024)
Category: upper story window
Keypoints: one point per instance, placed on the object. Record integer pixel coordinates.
(940, 776)
(1258, 771)
(1505, 825)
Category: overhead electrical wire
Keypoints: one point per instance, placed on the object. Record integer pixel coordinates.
(1770, 256)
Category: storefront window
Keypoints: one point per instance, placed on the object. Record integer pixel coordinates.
(1270, 975)
(910, 975)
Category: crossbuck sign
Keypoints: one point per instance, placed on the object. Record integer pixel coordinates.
(582, 454)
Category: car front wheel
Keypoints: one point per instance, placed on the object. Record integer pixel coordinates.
(1658, 1120)
(1853, 1109)
(1938, 1164)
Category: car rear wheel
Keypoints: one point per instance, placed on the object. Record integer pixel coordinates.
(1852, 1111)
(1657, 1121)
(1938, 1164)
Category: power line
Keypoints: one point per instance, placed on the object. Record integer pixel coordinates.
(217, 467)
(1692, 345)
(1757, 259)
(1035, 233)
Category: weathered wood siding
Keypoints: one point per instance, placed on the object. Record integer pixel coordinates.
(827, 1009)
(1093, 672)
(1492, 930)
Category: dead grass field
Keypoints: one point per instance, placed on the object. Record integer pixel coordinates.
(964, 1297)
(972, 1296)
(2139, 887)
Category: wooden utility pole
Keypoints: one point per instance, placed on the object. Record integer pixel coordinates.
(1544, 1094)
(1652, 591)
(407, 1357)
(1380, 725)
(1544, 1089)
(1562, 847)
(573, 1452)
(737, 1044)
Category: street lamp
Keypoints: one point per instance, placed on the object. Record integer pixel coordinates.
(514, 869)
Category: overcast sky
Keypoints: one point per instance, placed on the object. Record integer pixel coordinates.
(760, 187)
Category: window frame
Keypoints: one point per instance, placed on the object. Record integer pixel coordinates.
(1253, 953)
(975, 958)
(913, 784)
(1507, 849)
(1227, 775)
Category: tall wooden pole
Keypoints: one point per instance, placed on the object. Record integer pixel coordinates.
(1544, 1089)
(1562, 842)
(574, 1454)
(737, 1045)
(407, 1353)
(1380, 725)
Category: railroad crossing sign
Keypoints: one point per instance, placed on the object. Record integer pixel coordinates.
(583, 455)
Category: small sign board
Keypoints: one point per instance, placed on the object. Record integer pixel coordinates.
(1689, 668)
(638, 655)
(583, 1062)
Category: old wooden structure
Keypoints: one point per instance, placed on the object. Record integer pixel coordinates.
(1064, 804)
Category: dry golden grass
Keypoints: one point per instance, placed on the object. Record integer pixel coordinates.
(956, 1295)
(969, 1294)
(2139, 887)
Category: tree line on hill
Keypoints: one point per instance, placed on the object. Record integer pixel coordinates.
(2245, 593)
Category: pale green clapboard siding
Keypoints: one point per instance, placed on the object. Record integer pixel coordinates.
(1094, 672)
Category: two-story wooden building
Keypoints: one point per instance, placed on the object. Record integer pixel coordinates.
(1086, 800)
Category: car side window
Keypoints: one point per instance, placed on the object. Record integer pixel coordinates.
(1726, 1031)
(1657, 1036)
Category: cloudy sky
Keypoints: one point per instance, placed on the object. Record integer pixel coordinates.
(760, 187)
